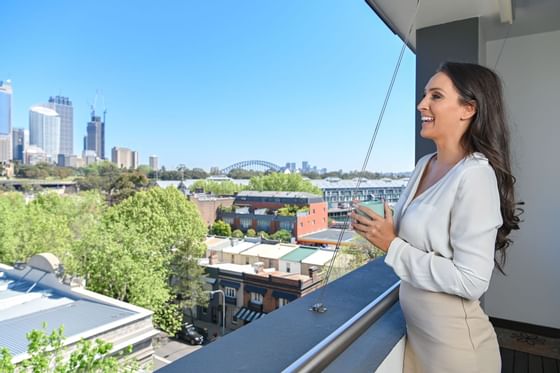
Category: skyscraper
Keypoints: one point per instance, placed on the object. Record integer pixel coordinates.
(20, 142)
(154, 162)
(44, 130)
(5, 120)
(95, 137)
(63, 106)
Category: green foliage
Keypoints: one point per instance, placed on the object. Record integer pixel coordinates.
(237, 233)
(221, 228)
(44, 171)
(219, 188)
(283, 182)
(145, 252)
(251, 232)
(282, 235)
(263, 234)
(50, 223)
(46, 353)
(239, 173)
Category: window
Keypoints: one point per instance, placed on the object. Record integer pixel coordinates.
(287, 225)
(230, 292)
(282, 302)
(245, 223)
(288, 269)
(228, 220)
(256, 298)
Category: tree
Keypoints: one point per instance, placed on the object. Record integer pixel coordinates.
(12, 212)
(282, 235)
(219, 188)
(237, 233)
(221, 228)
(251, 232)
(126, 185)
(263, 234)
(283, 182)
(46, 355)
(145, 252)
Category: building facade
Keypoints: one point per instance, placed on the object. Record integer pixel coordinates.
(63, 106)
(154, 162)
(95, 137)
(124, 157)
(5, 120)
(20, 142)
(261, 211)
(250, 292)
(44, 131)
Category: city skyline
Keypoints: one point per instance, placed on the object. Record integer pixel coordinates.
(236, 76)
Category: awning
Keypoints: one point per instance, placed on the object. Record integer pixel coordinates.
(230, 284)
(255, 289)
(248, 315)
(281, 294)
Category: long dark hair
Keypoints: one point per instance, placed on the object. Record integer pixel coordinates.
(488, 133)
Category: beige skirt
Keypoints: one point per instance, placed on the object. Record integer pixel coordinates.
(447, 333)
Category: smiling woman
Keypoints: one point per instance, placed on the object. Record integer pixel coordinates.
(455, 213)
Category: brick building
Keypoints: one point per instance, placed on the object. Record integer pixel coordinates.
(260, 211)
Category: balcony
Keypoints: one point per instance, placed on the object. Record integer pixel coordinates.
(363, 303)
(362, 330)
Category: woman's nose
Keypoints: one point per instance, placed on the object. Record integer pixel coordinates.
(422, 105)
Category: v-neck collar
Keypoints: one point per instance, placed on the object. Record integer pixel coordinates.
(411, 197)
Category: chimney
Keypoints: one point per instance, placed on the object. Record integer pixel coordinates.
(258, 267)
(314, 273)
(212, 259)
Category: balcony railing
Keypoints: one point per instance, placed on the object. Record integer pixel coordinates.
(361, 327)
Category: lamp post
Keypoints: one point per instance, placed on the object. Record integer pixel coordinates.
(223, 307)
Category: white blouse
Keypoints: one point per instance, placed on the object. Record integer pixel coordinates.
(446, 235)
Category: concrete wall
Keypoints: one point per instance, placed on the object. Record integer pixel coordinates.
(529, 66)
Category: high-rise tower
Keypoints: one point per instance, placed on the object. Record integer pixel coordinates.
(20, 143)
(5, 120)
(63, 106)
(95, 137)
(44, 130)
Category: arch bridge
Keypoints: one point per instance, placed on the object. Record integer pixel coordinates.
(252, 165)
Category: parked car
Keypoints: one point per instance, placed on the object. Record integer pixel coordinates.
(189, 334)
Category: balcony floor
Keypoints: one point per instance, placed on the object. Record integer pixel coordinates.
(523, 362)
(527, 352)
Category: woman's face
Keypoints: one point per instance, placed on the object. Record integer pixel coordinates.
(444, 116)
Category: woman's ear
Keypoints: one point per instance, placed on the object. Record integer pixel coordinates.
(469, 110)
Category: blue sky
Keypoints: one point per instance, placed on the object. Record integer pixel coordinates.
(211, 83)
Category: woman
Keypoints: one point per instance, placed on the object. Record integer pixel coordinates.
(454, 215)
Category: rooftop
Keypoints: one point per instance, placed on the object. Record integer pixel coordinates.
(299, 254)
(238, 248)
(319, 257)
(30, 297)
(329, 236)
(270, 251)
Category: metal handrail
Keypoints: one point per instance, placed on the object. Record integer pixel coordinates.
(326, 351)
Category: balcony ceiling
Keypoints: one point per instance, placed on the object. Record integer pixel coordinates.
(529, 16)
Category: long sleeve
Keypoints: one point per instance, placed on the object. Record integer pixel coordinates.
(474, 220)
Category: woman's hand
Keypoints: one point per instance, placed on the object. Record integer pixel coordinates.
(376, 229)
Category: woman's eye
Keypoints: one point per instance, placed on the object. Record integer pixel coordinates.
(435, 96)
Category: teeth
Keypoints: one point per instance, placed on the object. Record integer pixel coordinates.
(427, 119)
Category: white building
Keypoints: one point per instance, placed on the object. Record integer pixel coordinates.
(44, 130)
(5, 120)
(154, 162)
